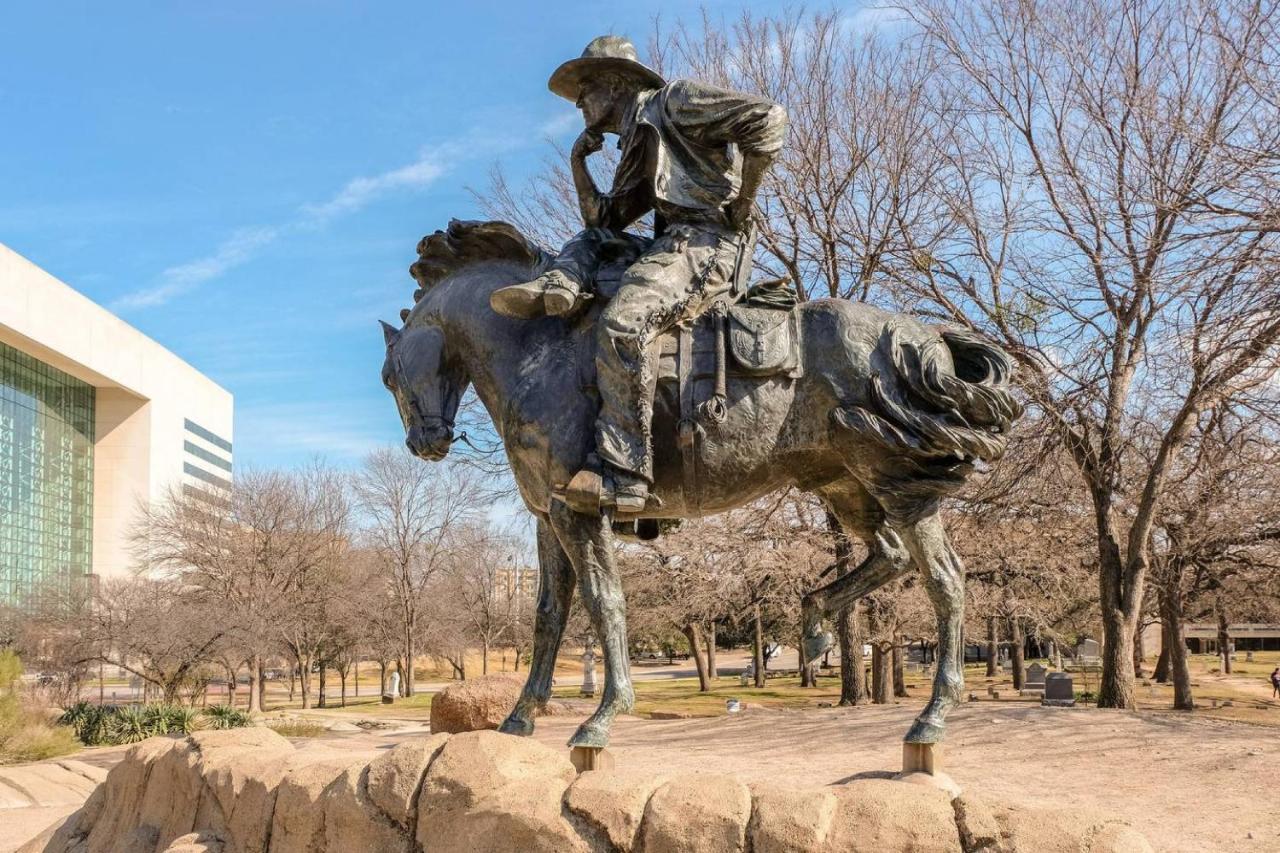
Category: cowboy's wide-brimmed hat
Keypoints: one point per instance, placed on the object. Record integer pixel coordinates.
(614, 54)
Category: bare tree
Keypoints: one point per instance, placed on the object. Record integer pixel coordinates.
(1112, 185)
(245, 552)
(156, 629)
(416, 513)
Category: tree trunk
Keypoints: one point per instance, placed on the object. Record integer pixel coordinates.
(484, 657)
(758, 643)
(324, 669)
(262, 685)
(993, 646)
(881, 676)
(255, 697)
(1161, 673)
(232, 672)
(853, 673)
(1016, 651)
(1179, 670)
(899, 679)
(1224, 635)
(304, 679)
(1139, 653)
(382, 678)
(691, 633)
(406, 678)
(1120, 600)
(355, 665)
(342, 675)
(712, 672)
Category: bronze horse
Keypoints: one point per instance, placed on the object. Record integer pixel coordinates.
(887, 417)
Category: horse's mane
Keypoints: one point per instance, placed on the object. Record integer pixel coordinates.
(466, 242)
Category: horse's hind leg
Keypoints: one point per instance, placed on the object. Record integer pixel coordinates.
(588, 540)
(887, 560)
(927, 541)
(555, 595)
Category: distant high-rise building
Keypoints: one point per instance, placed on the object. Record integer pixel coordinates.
(512, 581)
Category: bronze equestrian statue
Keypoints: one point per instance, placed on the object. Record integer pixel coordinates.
(633, 379)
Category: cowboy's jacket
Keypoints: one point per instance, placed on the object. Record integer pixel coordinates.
(682, 148)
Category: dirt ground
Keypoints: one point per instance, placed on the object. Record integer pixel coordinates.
(1190, 784)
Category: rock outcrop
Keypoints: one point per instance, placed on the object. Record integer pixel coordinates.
(250, 791)
(474, 705)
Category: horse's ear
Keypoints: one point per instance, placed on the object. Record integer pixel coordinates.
(389, 332)
(404, 315)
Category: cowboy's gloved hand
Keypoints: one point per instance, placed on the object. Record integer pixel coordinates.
(739, 212)
(587, 143)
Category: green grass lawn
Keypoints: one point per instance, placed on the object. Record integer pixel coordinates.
(416, 707)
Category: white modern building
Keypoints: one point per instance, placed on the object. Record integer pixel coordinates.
(96, 421)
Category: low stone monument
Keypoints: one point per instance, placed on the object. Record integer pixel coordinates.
(1059, 691)
(393, 689)
(1033, 683)
(588, 673)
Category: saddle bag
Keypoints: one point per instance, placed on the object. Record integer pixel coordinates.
(764, 341)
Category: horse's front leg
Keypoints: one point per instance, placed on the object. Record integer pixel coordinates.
(944, 581)
(555, 595)
(588, 540)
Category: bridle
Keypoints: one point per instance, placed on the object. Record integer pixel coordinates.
(433, 419)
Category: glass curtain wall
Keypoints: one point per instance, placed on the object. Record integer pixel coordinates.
(46, 480)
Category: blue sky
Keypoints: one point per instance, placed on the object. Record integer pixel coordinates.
(245, 182)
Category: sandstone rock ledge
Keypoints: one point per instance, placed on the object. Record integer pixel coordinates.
(482, 792)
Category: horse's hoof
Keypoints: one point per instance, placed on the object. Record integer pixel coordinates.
(926, 731)
(518, 726)
(596, 737)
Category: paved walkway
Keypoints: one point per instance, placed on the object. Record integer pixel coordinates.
(33, 796)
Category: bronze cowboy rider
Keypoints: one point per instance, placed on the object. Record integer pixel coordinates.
(695, 155)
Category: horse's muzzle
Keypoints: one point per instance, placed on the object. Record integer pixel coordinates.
(429, 443)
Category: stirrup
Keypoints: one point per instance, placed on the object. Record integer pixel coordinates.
(587, 492)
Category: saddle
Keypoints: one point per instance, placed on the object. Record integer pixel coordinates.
(751, 333)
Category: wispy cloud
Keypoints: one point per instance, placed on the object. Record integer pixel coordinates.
(176, 280)
(245, 243)
(561, 123)
(359, 192)
(309, 428)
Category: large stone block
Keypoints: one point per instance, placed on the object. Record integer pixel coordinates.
(353, 822)
(242, 769)
(613, 803)
(297, 825)
(706, 812)
(474, 705)
(395, 777)
(874, 815)
(126, 791)
(492, 793)
(788, 820)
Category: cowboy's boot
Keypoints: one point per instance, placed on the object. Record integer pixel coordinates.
(630, 493)
(553, 293)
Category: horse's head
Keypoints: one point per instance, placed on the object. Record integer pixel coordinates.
(426, 384)
(455, 270)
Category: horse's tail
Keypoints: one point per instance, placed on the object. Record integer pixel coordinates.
(939, 418)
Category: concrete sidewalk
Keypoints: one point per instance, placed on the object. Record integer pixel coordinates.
(34, 796)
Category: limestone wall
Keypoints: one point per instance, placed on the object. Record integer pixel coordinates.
(482, 792)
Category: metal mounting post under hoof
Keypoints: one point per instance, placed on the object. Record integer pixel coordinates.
(584, 758)
(922, 765)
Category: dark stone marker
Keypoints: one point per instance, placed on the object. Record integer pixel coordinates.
(1059, 691)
